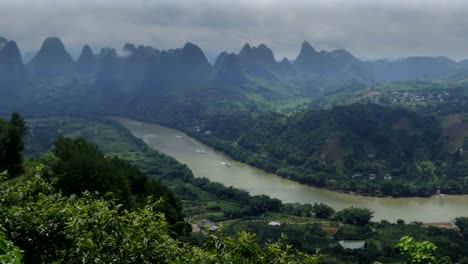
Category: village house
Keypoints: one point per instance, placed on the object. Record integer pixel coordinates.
(208, 224)
(274, 223)
(387, 177)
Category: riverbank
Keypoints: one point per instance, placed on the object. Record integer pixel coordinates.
(369, 185)
(256, 181)
(327, 180)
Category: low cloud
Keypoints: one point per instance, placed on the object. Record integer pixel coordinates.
(367, 29)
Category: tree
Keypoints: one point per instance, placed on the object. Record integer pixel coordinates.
(262, 203)
(355, 215)
(322, 210)
(12, 144)
(414, 252)
(17, 121)
(462, 224)
(80, 166)
(53, 228)
(9, 254)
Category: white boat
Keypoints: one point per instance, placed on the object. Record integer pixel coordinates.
(178, 136)
(227, 164)
(200, 151)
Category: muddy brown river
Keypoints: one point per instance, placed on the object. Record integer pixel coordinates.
(206, 162)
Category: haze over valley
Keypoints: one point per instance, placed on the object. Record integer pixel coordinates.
(163, 129)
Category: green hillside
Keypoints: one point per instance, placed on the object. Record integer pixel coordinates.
(362, 148)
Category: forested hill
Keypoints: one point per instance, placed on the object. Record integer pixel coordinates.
(346, 133)
(362, 148)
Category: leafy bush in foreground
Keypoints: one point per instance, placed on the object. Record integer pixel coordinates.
(53, 228)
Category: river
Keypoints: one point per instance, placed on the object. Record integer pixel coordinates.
(210, 165)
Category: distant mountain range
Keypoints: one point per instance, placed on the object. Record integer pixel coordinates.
(143, 74)
(238, 103)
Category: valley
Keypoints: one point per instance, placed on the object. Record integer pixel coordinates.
(325, 146)
(235, 209)
(234, 132)
(433, 209)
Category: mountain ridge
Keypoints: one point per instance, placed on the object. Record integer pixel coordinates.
(52, 60)
(323, 66)
(135, 73)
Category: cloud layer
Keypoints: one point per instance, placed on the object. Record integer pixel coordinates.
(387, 29)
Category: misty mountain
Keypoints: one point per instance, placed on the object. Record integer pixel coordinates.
(463, 64)
(339, 65)
(412, 68)
(189, 64)
(86, 62)
(261, 55)
(185, 65)
(52, 60)
(3, 42)
(12, 70)
(229, 70)
(139, 75)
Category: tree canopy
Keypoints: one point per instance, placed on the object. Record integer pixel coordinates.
(414, 252)
(12, 144)
(54, 228)
(80, 166)
(355, 215)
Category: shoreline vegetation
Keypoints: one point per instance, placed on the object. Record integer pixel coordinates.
(208, 141)
(110, 120)
(227, 149)
(296, 222)
(237, 153)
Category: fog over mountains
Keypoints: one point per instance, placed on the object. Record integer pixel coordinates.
(133, 74)
(53, 60)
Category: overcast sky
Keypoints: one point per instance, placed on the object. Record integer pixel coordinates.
(395, 28)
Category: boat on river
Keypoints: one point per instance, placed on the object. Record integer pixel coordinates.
(432, 209)
(227, 164)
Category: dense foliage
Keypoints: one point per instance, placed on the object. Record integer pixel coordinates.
(199, 195)
(305, 225)
(9, 254)
(323, 211)
(354, 215)
(78, 206)
(357, 148)
(50, 227)
(462, 224)
(80, 166)
(12, 144)
(362, 148)
(419, 252)
(54, 228)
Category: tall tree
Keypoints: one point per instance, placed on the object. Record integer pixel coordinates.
(12, 144)
(15, 144)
